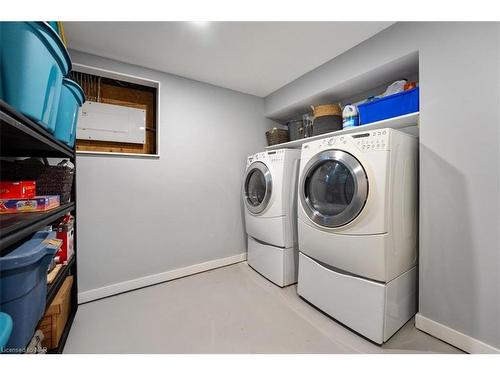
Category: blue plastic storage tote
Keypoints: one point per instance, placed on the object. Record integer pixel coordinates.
(391, 106)
(5, 329)
(23, 285)
(55, 26)
(72, 98)
(33, 62)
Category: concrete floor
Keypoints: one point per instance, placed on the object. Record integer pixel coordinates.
(228, 310)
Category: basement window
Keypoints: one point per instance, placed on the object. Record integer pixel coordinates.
(120, 115)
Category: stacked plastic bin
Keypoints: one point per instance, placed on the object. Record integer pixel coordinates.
(23, 285)
(33, 65)
(72, 98)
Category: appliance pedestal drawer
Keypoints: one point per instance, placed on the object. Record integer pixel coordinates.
(274, 263)
(375, 310)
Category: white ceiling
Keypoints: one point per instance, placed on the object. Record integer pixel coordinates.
(251, 57)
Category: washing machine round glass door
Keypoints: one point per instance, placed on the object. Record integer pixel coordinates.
(333, 188)
(258, 187)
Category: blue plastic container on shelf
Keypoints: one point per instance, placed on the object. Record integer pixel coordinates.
(55, 26)
(33, 62)
(395, 105)
(5, 329)
(23, 286)
(72, 98)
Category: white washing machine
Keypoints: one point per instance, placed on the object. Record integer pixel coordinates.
(357, 228)
(269, 194)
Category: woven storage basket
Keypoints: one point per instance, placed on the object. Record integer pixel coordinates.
(50, 179)
(327, 110)
(276, 136)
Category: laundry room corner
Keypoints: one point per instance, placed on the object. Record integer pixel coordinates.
(209, 193)
(206, 132)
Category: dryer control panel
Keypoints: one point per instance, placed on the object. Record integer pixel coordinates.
(374, 140)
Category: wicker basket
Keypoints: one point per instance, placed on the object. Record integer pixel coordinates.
(50, 179)
(276, 136)
(327, 110)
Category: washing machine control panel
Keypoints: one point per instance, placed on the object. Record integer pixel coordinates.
(276, 156)
(271, 156)
(261, 156)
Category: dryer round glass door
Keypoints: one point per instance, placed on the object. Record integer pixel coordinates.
(333, 188)
(258, 187)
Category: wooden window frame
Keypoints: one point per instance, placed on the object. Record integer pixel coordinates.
(82, 68)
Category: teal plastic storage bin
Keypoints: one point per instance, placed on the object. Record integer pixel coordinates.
(33, 62)
(5, 329)
(23, 286)
(55, 26)
(72, 98)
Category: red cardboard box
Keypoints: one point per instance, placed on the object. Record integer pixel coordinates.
(17, 189)
(65, 232)
(42, 203)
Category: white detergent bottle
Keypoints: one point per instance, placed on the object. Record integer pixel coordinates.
(350, 116)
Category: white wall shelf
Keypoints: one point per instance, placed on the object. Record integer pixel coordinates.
(349, 86)
(400, 122)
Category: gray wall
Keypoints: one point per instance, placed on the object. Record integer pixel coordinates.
(139, 217)
(459, 158)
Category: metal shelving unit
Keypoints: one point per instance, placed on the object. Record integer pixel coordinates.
(15, 227)
(21, 137)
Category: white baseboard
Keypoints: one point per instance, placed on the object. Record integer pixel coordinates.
(125, 286)
(455, 338)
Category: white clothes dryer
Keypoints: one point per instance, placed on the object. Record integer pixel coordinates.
(357, 227)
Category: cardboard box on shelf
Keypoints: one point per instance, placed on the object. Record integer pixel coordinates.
(17, 189)
(56, 316)
(41, 203)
